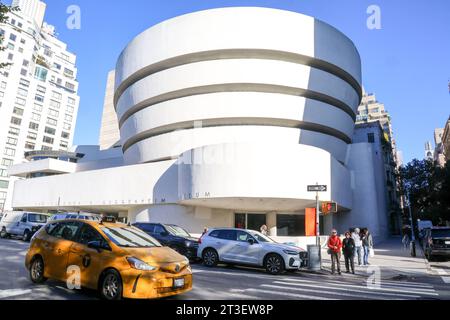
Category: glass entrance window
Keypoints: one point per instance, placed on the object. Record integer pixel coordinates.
(250, 221)
(293, 225)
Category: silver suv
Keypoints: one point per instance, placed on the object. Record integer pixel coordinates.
(248, 247)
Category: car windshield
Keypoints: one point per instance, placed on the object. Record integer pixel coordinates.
(260, 237)
(442, 233)
(37, 218)
(177, 231)
(130, 237)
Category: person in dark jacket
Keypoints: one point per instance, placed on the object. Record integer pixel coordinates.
(348, 248)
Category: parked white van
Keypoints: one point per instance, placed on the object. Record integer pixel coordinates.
(21, 224)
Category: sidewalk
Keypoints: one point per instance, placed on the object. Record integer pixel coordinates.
(394, 261)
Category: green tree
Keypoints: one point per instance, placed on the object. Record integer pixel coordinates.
(4, 10)
(429, 189)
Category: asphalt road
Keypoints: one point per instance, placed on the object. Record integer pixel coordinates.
(235, 283)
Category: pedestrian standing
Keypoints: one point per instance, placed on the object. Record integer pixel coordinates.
(264, 230)
(367, 242)
(356, 236)
(334, 249)
(348, 248)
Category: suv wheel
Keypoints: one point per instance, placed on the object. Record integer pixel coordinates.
(26, 236)
(274, 264)
(210, 257)
(3, 233)
(37, 270)
(111, 286)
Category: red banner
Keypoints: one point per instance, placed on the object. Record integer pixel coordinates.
(310, 222)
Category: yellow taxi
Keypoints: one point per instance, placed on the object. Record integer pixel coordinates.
(118, 260)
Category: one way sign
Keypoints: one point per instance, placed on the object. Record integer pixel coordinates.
(317, 188)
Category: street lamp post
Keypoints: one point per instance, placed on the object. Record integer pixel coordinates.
(412, 244)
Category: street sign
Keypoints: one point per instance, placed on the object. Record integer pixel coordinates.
(317, 188)
(329, 207)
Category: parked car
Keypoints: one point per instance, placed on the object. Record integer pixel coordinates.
(172, 236)
(437, 242)
(118, 260)
(22, 224)
(79, 216)
(248, 247)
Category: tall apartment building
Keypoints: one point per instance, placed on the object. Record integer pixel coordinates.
(439, 154)
(370, 111)
(109, 131)
(38, 91)
(446, 140)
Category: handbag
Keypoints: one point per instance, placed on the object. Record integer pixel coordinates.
(329, 251)
(371, 252)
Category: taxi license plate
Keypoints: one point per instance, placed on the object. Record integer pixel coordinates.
(178, 283)
(447, 242)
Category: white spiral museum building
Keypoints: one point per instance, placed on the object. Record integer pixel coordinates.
(225, 117)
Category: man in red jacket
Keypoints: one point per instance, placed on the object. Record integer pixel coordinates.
(334, 248)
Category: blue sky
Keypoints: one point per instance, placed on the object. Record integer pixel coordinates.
(406, 63)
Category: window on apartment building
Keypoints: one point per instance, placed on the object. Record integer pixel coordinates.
(3, 85)
(34, 126)
(50, 131)
(53, 113)
(47, 148)
(3, 174)
(68, 117)
(4, 184)
(68, 72)
(16, 121)
(24, 83)
(48, 140)
(3, 195)
(371, 137)
(30, 146)
(36, 117)
(25, 63)
(56, 95)
(11, 141)
(37, 107)
(20, 101)
(70, 109)
(52, 122)
(20, 50)
(67, 126)
(48, 53)
(14, 131)
(57, 66)
(64, 144)
(2, 94)
(18, 111)
(24, 72)
(40, 73)
(32, 136)
(71, 101)
(12, 37)
(65, 57)
(22, 92)
(65, 135)
(10, 46)
(39, 98)
(7, 162)
(10, 56)
(41, 89)
(9, 152)
(70, 86)
(55, 104)
(23, 41)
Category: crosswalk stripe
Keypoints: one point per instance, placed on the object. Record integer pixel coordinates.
(407, 290)
(4, 294)
(356, 296)
(287, 294)
(446, 279)
(352, 290)
(383, 283)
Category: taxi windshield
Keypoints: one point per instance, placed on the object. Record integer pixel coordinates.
(130, 237)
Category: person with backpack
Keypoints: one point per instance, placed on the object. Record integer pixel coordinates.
(334, 249)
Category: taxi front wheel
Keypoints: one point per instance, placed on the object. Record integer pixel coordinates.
(37, 271)
(111, 286)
